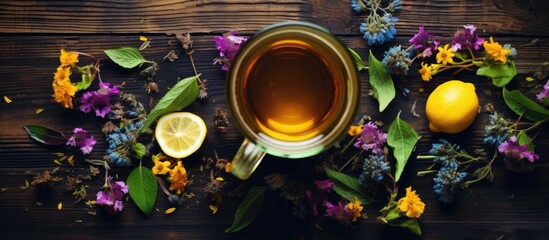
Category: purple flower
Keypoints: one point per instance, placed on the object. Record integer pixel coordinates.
(228, 45)
(318, 194)
(515, 152)
(466, 37)
(325, 185)
(338, 212)
(80, 140)
(424, 42)
(371, 138)
(544, 93)
(99, 100)
(112, 196)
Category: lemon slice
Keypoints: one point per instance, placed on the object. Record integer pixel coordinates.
(180, 134)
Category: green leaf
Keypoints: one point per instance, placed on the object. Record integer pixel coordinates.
(45, 135)
(142, 187)
(381, 82)
(180, 95)
(501, 74)
(87, 78)
(523, 139)
(139, 149)
(358, 60)
(127, 57)
(522, 105)
(393, 214)
(402, 138)
(248, 210)
(462, 55)
(347, 186)
(412, 224)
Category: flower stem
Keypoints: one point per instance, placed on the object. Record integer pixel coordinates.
(423, 173)
(349, 144)
(350, 160)
(190, 54)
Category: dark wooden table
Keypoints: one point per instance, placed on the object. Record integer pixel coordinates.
(515, 206)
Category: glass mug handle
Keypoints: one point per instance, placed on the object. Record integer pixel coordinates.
(246, 160)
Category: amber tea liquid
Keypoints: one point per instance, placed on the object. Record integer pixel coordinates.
(293, 90)
(290, 90)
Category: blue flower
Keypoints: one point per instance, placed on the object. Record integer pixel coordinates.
(120, 143)
(397, 60)
(356, 6)
(448, 177)
(374, 168)
(379, 30)
(498, 130)
(443, 148)
(395, 5)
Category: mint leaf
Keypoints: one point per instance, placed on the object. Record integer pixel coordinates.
(393, 214)
(522, 105)
(501, 74)
(45, 135)
(381, 82)
(142, 187)
(248, 210)
(347, 186)
(180, 95)
(358, 60)
(412, 224)
(139, 149)
(127, 57)
(523, 139)
(87, 78)
(402, 138)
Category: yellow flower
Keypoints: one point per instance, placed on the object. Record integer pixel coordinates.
(63, 92)
(68, 58)
(411, 204)
(425, 72)
(160, 167)
(228, 167)
(62, 74)
(445, 55)
(355, 130)
(355, 208)
(495, 51)
(178, 177)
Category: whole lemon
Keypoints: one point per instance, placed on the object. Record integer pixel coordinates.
(452, 107)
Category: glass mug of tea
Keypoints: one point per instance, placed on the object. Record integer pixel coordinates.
(293, 90)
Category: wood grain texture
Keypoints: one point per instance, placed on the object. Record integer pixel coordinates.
(501, 17)
(32, 32)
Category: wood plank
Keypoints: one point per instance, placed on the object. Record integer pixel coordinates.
(502, 17)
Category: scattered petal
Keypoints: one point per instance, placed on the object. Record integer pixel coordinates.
(170, 210)
(214, 208)
(529, 79)
(219, 179)
(38, 111)
(8, 100)
(70, 160)
(60, 206)
(142, 38)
